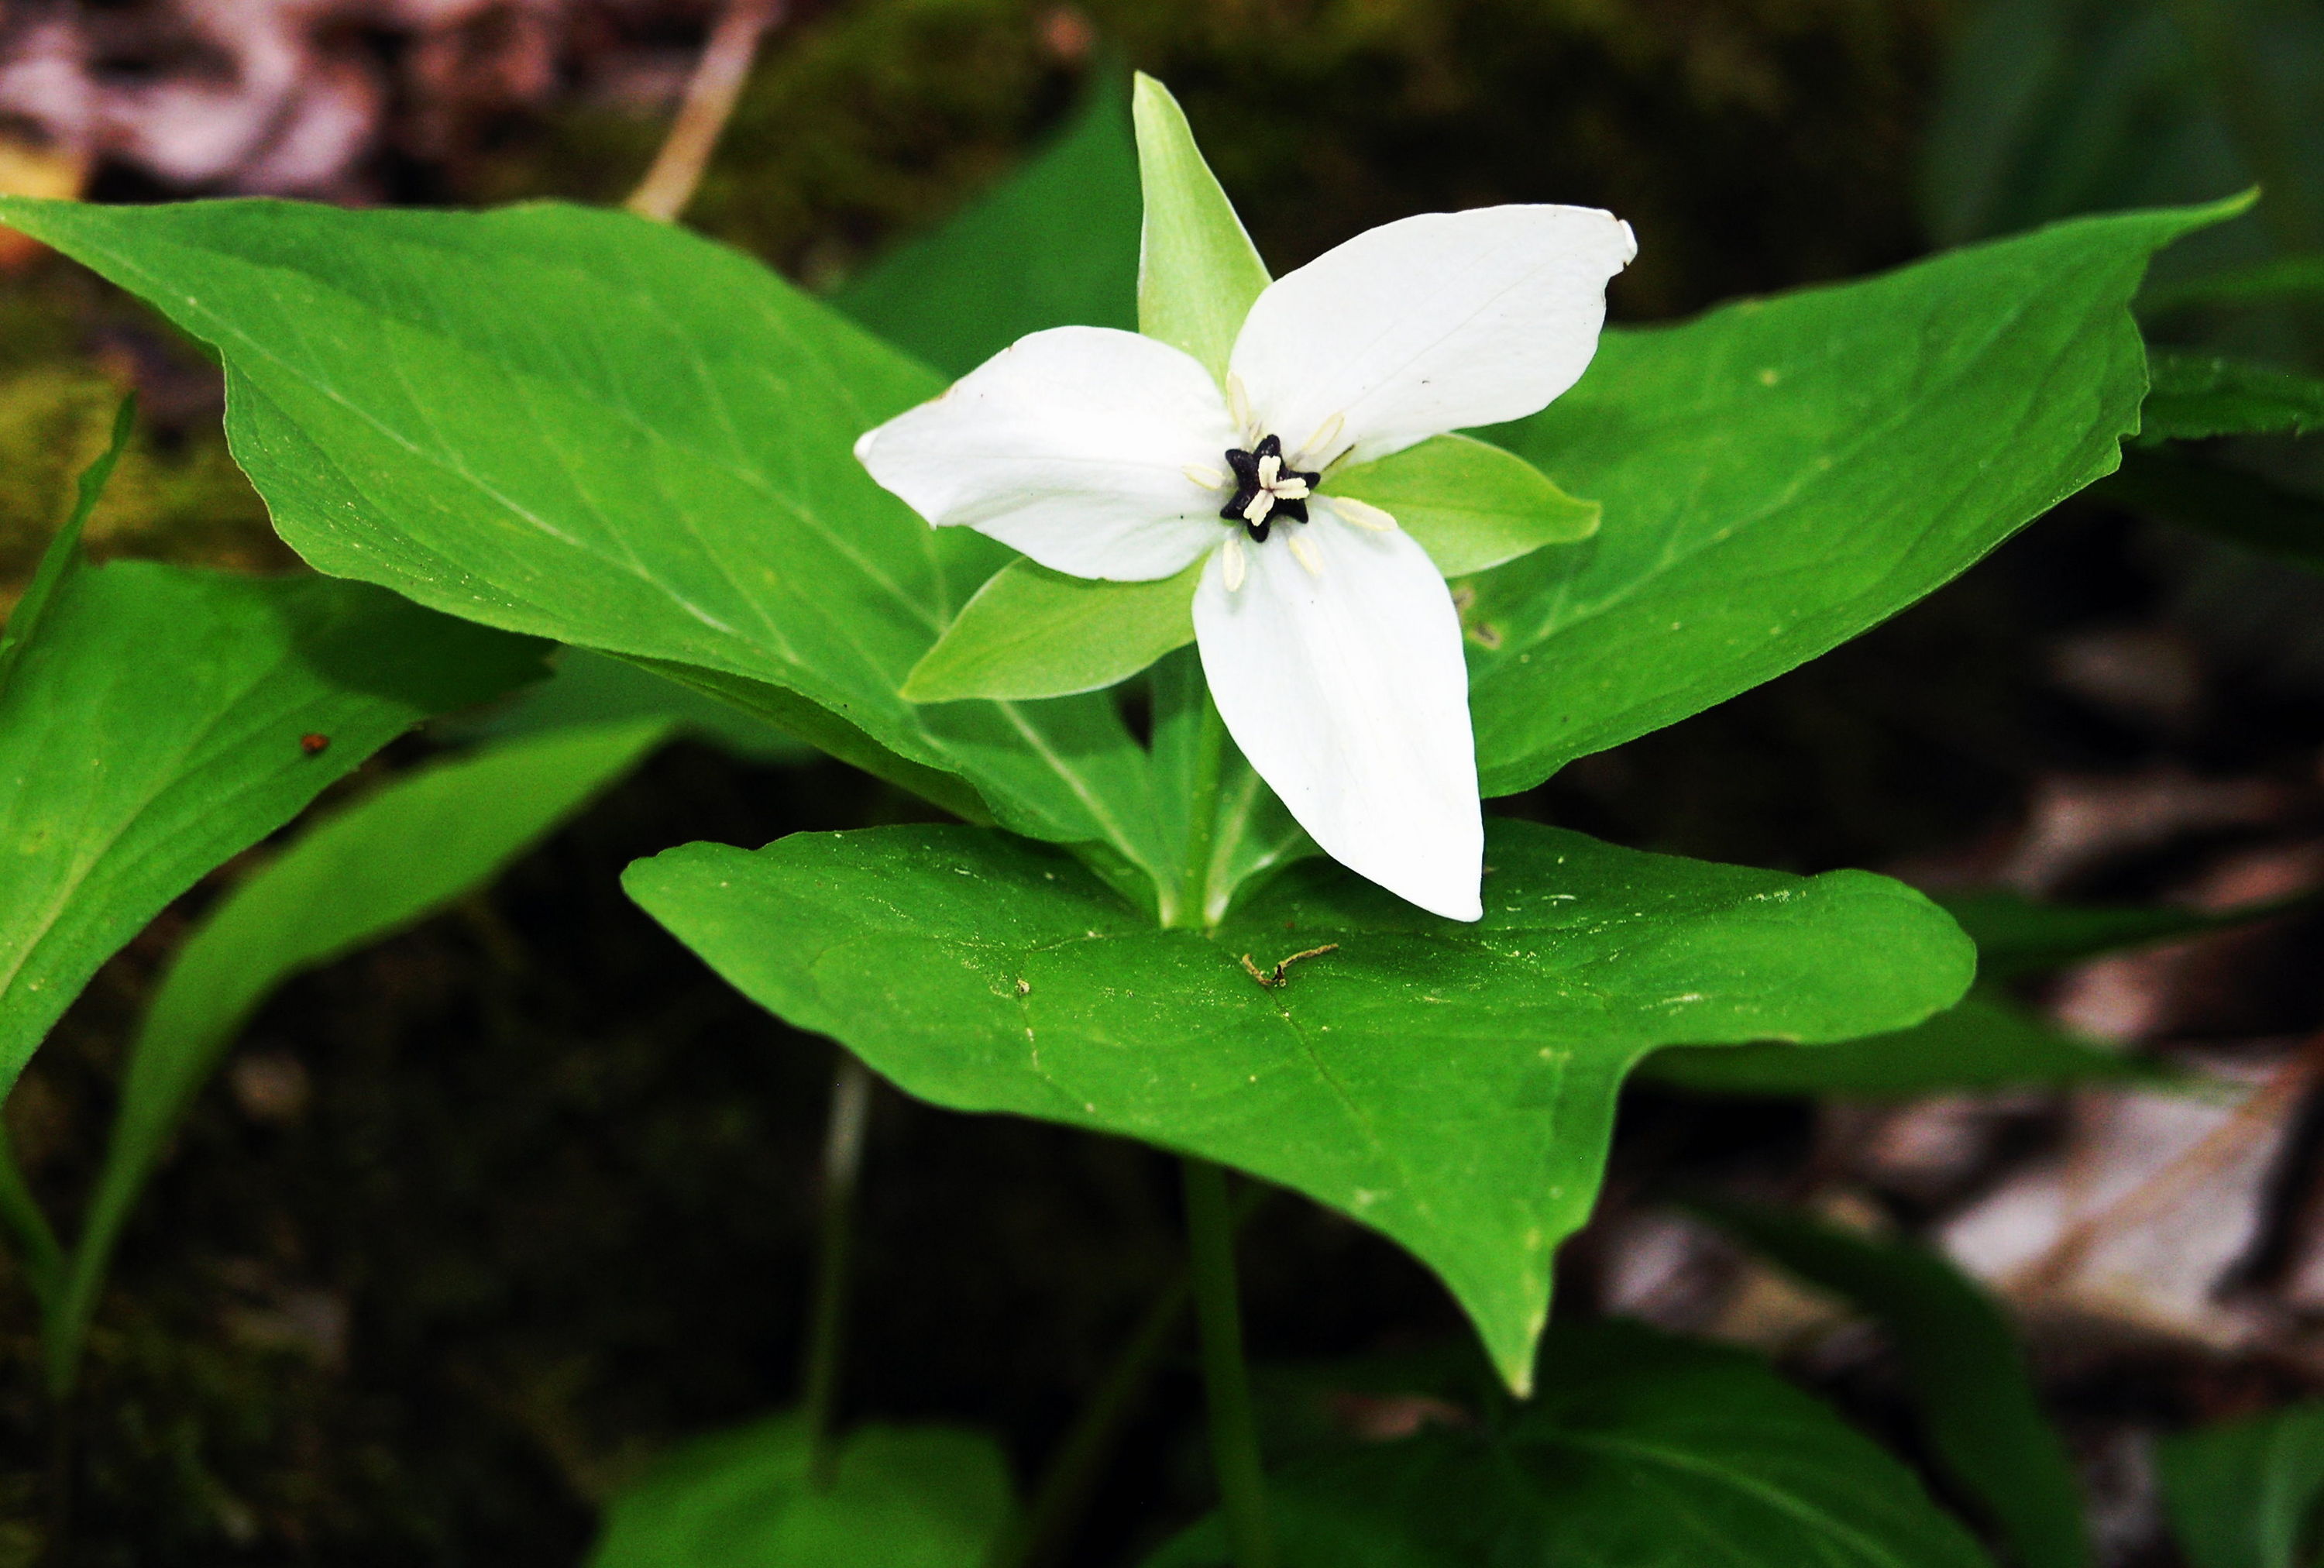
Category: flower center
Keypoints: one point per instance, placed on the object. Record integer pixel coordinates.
(1265, 490)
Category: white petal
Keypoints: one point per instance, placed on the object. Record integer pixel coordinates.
(1072, 446)
(1347, 691)
(1430, 324)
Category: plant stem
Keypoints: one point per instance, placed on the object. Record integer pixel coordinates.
(1045, 1528)
(1226, 1383)
(38, 1253)
(58, 1548)
(710, 97)
(1202, 810)
(826, 1344)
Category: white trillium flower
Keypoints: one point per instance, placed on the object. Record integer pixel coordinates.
(1329, 639)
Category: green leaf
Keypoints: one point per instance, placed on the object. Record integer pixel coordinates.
(1990, 1042)
(153, 728)
(1197, 270)
(1637, 1451)
(2051, 108)
(2017, 936)
(1032, 632)
(2244, 508)
(1963, 1364)
(1055, 245)
(2258, 283)
(2197, 395)
(2247, 1494)
(1452, 1086)
(39, 1258)
(62, 561)
(587, 689)
(926, 1497)
(1470, 505)
(1782, 474)
(651, 458)
(363, 873)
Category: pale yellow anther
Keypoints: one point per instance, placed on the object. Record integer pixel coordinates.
(1208, 478)
(1303, 551)
(1231, 564)
(1238, 407)
(1260, 505)
(1270, 467)
(1317, 446)
(1362, 514)
(1290, 487)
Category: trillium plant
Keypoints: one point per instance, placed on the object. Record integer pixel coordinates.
(1433, 531)
(1328, 637)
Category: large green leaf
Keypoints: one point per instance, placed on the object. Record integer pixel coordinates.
(1055, 245)
(1965, 1369)
(2247, 1494)
(1639, 1451)
(651, 457)
(1782, 474)
(586, 691)
(899, 1497)
(156, 725)
(1451, 1084)
(369, 871)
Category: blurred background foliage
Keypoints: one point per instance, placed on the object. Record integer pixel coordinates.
(477, 1219)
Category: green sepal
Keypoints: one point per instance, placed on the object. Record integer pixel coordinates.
(1197, 270)
(1031, 632)
(1470, 505)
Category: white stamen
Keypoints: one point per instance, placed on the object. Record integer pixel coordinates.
(1232, 565)
(1270, 467)
(1317, 446)
(1208, 478)
(1362, 514)
(1260, 505)
(1238, 407)
(1290, 487)
(1303, 551)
